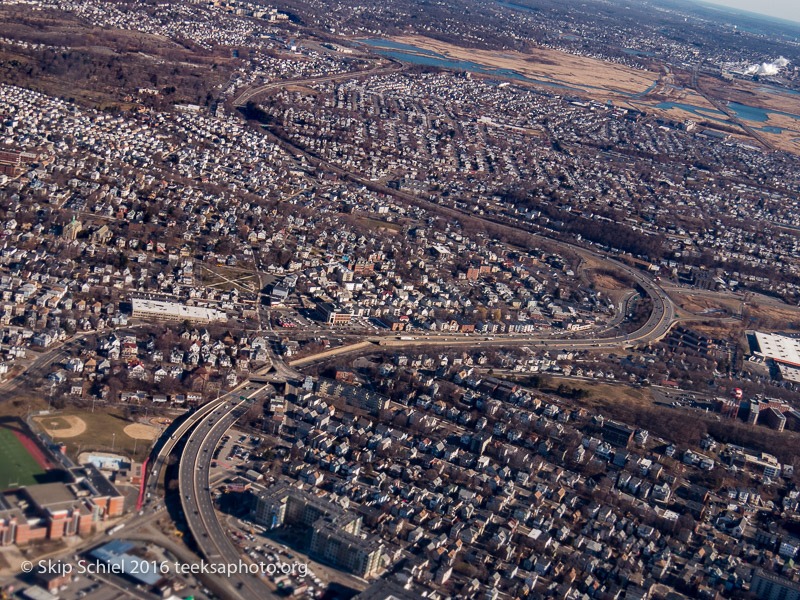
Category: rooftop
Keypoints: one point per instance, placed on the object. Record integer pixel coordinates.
(163, 309)
(779, 348)
(97, 480)
(51, 496)
(116, 553)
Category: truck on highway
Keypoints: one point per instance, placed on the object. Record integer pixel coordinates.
(405, 337)
(115, 529)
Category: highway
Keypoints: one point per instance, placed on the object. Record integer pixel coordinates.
(208, 424)
(165, 446)
(138, 526)
(153, 476)
(251, 92)
(281, 369)
(193, 483)
(656, 327)
(661, 319)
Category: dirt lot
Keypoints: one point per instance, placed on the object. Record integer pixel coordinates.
(720, 331)
(707, 305)
(302, 89)
(771, 317)
(382, 225)
(607, 281)
(141, 431)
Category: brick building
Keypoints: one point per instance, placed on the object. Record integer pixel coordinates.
(58, 509)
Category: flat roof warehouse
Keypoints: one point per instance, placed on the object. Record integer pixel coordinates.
(174, 311)
(782, 349)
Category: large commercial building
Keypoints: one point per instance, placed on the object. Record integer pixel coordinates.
(783, 350)
(173, 311)
(332, 314)
(335, 533)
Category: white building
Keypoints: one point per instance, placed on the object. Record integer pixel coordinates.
(174, 311)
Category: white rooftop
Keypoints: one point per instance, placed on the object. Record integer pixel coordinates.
(780, 348)
(160, 308)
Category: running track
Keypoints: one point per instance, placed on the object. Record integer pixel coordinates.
(33, 450)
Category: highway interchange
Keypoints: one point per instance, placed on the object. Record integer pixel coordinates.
(204, 428)
(200, 431)
(658, 324)
(194, 438)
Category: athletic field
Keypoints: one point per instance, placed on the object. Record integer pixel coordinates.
(17, 466)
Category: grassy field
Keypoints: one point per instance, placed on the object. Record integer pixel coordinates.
(17, 466)
(597, 395)
(22, 404)
(104, 431)
(603, 395)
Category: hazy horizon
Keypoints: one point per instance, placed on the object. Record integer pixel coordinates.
(782, 9)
